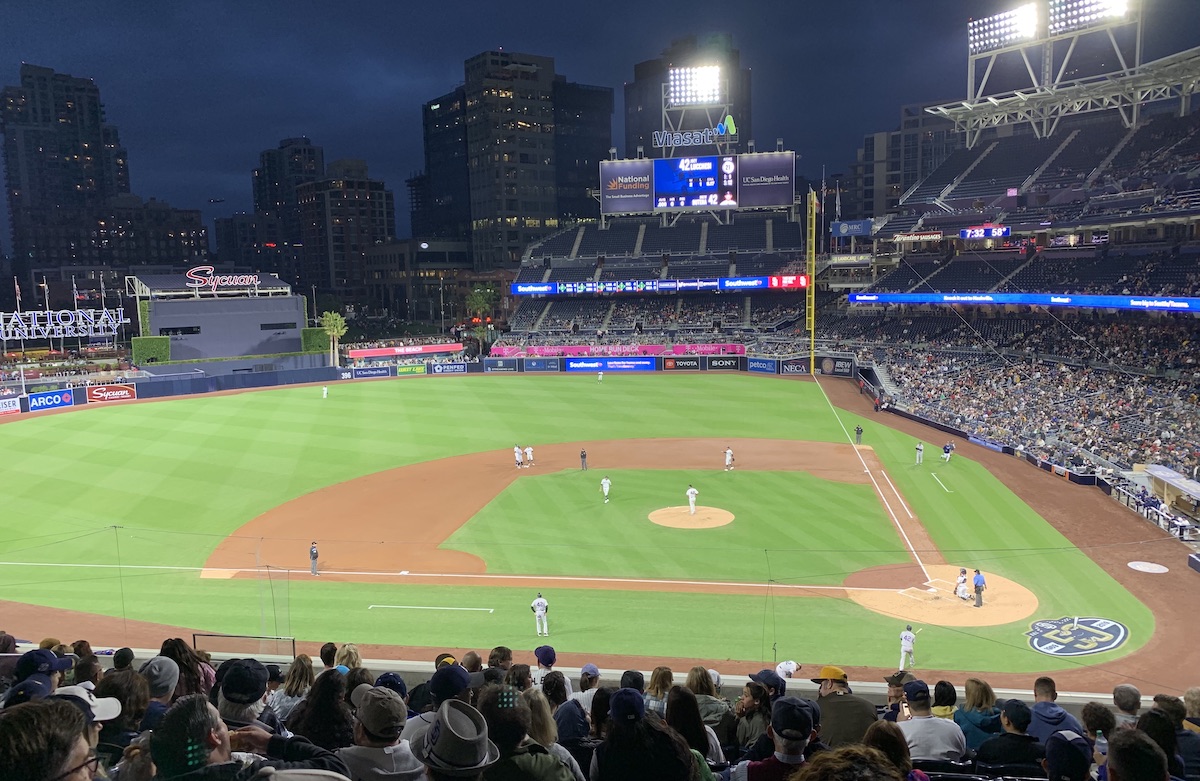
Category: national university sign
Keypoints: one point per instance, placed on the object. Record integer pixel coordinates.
(61, 323)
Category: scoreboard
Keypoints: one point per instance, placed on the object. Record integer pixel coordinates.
(778, 282)
(695, 183)
(986, 232)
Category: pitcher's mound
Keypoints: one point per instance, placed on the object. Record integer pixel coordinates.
(681, 518)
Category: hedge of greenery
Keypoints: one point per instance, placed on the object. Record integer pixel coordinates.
(314, 340)
(151, 349)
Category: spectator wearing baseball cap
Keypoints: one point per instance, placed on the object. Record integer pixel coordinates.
(96, 710)
(378, 751)
(637, 748)
(35, 687)
(1014, 745)
(1068, 757)
(451, 682)
(928, 736)
(122, 659)
(419, 699)
(546, 658)
(242, 699)
(776, 686)
(895, 693)
(42, 662)
(792, 727)
(162, 676)
(845, 716)
(589, 682)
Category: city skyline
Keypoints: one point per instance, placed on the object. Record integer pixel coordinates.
(198, 91)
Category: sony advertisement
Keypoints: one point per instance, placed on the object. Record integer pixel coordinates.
(766, 179)
(728, 363)
(695, 183)
(625, 186)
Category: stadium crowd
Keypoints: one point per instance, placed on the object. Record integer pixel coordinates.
(65, 717)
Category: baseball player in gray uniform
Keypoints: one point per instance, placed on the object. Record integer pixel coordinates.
(692, 493)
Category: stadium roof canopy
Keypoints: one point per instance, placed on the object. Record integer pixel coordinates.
(1176, 77)
(205, 282)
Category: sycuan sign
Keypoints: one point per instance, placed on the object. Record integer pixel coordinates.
(61, 323)
(203, 277)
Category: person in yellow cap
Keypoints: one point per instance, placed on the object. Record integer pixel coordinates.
(844, 715)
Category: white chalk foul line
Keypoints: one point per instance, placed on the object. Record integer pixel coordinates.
(431, 607)
(897, 493)
(943, 485)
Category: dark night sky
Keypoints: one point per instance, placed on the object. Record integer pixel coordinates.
(199, 89)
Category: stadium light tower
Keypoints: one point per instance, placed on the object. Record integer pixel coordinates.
(694, 97)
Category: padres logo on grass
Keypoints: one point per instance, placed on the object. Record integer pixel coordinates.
(1081, 636)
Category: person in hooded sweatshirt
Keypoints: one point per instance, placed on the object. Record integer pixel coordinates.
(1048, 716)
(979, 718)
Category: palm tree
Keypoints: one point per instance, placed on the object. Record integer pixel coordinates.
(480, 303)
(335, 328)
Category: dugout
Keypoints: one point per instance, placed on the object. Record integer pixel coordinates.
(210, 314)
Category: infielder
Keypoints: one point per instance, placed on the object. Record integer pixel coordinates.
(605, 484)
(540, 607)
(324, 391)
(920, 452)
(858, 435)
(312, 558)
(907, 641)
(728, 458)
(529, 456)
(692, 493)
(518, 455)
(583, 460)
(947, 449)
(960, 586)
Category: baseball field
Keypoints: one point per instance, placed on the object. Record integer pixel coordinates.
(197, 514)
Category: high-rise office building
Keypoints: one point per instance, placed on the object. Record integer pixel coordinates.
(341, 216)
(891, 162)
(510, 155)
(710, 74)
(280, 171)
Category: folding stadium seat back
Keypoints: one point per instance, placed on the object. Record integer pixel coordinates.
(942, 766)
(1010, 770)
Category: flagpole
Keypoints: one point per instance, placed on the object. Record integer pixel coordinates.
(823, 210)
(75, 295)
(17, 287)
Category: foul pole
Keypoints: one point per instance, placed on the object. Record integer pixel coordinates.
(810, 294)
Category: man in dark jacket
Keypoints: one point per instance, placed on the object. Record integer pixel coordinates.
(1014, 745)
(1048, 716)
(846, 716)
(192, 743)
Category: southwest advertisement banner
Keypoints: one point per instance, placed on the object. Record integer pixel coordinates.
(1136, 303)
(10, 405)
(367, 372)
(726, 363)
(102, 393)
(626, 186)
(51, 400)
(766, 179)
(406, 349)
(505, 365)
(681, 363)
(762, 365)
(447, 368)
(851, 228)
(543, 365)
(631, 364)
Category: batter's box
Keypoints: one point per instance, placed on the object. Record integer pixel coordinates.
(920, 595)
(937, 584)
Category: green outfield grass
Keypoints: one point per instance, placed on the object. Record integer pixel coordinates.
(160, 484)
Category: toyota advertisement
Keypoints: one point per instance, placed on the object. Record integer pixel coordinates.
(625, 186)
(51, 400)
(681, 363)
(632, 364)
(766, 179)
(103, 393)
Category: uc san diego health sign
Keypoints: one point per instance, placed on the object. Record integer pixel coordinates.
(61, 323)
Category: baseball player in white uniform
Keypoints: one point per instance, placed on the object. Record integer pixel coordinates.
(920, 452)
(529, 456)
(692, 493)
(728, 458)
(518, 455)
(960, 586)
(605, 484)
(907, 640)
(599, 376)
(324, 391)
(540, 607)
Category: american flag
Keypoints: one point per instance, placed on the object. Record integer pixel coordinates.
(17, 285)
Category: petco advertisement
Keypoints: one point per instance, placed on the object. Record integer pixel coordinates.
(448, 368)
(51, 400)
(10, 406)
(506, 365)
(646, 364)
(543, 365)
(99, 393)
(762, 365)
(372, 371)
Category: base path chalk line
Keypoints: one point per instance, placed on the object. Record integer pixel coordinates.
(431, 607)
(897, 493)
(943, 485)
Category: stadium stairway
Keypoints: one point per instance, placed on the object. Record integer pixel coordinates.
(578, 240)
(1116, 150)
(770, 235)
(537, 324)
(704, 237)
(967, 172)
(1028, 183)
(637, 245)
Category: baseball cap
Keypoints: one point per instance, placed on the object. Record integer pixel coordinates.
(916, 690)
(162, 673)
(715, 677)
(40, 662)
(35, 687)
(792, 718)
(899, 678)
(770, 679)
(394, 682)
(786, 669)
(443, 659)
(122, 658)
(626, 705)
(381, 711)
(1068, 756)
(545, 655)
(448, 682)
(245, 681)
(1018, 713)
(94, 708)
(830, 673)
(274, 673)
(633, 679)
(590, 669)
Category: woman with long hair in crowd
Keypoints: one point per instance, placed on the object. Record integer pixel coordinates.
(133, 692)
(347, 656)
(714, 709)
(196, 676)
(887, 737)
(544, 730)
(599, 712)
(979, 718)
(683, 716)
(753, 714)
(295, 686)
(660, 683)
(323, 716)
(519, 677)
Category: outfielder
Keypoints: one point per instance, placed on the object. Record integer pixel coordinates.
(529, 456)
(920, 452)
(692, 493)
(540, 607)
(960, 586)
(324, 391)
(599, 376)
(907, 641)
(583, 460)
(728, 458)
(605, 484)
(518, 455)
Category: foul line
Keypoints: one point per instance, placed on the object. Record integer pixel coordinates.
(431, 607)
(943, 485)
(899, 498)
(874, 482)
(452, 575)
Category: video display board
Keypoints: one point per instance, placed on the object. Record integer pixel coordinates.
(760, 180)
(766, 179)
(625, 186)
(695, 183)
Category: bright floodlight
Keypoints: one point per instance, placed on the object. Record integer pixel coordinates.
(696, 86)
(1070, 15)
(1004, 29)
